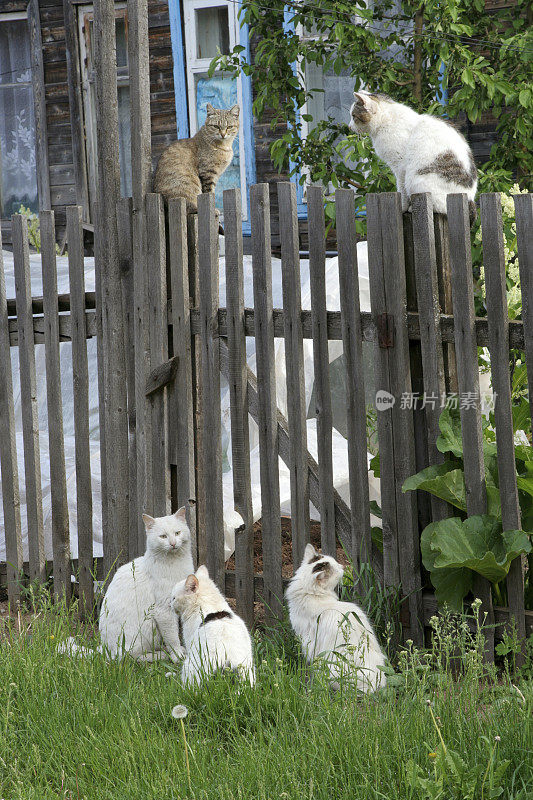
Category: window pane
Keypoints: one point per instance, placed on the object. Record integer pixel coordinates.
(17, 125)
(122, 42)
(221, 92)
(212, 31)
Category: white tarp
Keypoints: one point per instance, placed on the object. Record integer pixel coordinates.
(232, 519)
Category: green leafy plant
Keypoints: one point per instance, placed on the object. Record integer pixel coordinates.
(417, 53)
(34, 229)
(455, 548)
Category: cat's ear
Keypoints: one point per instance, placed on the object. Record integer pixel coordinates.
(362, 99)
(209, 108)
(202, 572)
(235, 110)
(191, 584)
(309, 552)
(149, 521)
(180, 514)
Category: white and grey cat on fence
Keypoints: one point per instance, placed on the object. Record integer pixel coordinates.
(215, 637)
(425, 153)
(336, 634)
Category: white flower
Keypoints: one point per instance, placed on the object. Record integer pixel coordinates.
(179, 712)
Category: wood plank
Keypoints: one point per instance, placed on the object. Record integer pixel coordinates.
(402, 418)
(196, 369)
(319, 322)
(524, 232)
(182, 418)
(294, 365)
(28, 396)
(497, 313)
(124, 226)
(80, 383)
(109, 291)
(210, 456)
(444, 277)
(266, 394)
(39, 106)
(8, 454)
(162, 376)
(468, 381)
(391, 566)
(238, 387)
(157, 446)
(141, 164)
(361, 545)
(76, 107)
(64, 328)
(58, 478)
(427, 291)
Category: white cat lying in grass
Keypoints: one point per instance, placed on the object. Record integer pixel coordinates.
(215, 637)
(425, 153)
(136, 616)
(336, 632)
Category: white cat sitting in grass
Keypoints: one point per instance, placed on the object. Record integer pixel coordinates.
(136, 617)
(425, 153)
(215, 637)
(337, 633)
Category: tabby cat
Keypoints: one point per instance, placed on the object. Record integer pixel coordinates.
(190, 167)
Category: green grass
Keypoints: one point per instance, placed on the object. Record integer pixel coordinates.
(85, 728)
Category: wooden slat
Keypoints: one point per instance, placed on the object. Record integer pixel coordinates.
(58, 479)
(294, 364)
(80, 381)
(182, 396)
(468, 381)
(141, 163)
(112, 359)
(124, 227)
(39, 105)
(267, 408)
(210, 457)
(8, 454)
(75, 102)
(497, 313)
(427, 291)
(444, 278)
(28, 396)
(157, 446)
(524, 232)
(391, 566)
(324, 415)
(355, 381)
(238, 387)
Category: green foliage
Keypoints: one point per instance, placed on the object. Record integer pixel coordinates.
(454, 549)
(487, 66)
(34, 229)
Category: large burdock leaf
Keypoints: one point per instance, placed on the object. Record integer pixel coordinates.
(444, 480)
(452, 548)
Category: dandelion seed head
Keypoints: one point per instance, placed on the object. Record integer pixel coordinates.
(179, 712)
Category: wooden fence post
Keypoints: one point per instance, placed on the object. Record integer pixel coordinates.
(468, 382)
(8, 453)
(238, 387)
(28, 396)
(80, 379)
(58, 479)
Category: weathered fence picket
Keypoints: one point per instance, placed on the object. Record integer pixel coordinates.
(80, 385)
(58, 480)
(468, 381)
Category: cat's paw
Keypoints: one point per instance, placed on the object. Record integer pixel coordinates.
(176, 653)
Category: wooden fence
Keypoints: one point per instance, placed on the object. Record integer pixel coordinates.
(177, 342)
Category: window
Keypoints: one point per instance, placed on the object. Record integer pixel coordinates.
(18, 175)
(85, 20)
(212, 26)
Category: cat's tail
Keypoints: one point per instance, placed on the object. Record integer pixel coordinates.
(472, 210)
(71, 648)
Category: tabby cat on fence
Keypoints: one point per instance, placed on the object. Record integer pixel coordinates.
(190, 167)
(425, 153)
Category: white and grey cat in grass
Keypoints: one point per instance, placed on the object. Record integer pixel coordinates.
(136, 617)
(336, 633)
(425, 153)
(215, 637)
(190, 167)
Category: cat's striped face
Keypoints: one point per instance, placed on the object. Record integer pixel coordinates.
(365, 110)
(319, 571)
(222, 124)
